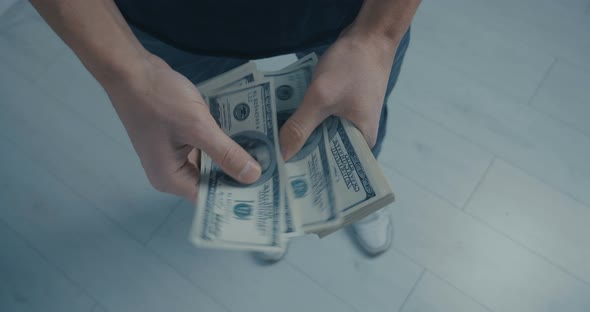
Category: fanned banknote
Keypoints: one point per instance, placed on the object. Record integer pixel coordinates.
(230, 214)
(241, 76)
(357, 177)
(308, 171)
(332, 182)
(237, 77)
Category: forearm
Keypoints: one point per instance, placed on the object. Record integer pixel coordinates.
(386, 19)
(97, 32)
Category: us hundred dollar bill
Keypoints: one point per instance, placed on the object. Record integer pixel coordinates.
(357, 178)
(237, 77)
(309, 181)
(354, 176)
(332, 182)
(229, 214)
(241, 76)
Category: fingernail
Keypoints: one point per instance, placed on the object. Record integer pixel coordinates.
(250, 173)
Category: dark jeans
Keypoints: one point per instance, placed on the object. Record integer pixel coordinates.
(198, 68)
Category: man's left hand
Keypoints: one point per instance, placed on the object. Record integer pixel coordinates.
(349, 81)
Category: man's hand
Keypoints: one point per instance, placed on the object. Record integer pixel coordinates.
(167, 119)
(350, 81)
(164, 114)
(351, 78)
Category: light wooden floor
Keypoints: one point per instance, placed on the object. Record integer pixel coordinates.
(488, 152)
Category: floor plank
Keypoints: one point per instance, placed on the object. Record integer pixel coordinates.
(5, 5)
(545, 148)
(487, 266)
(564, 95)
(29, 283)
(236, 278)
(120, 273)
(337, 264)
(434, 295)
(27, 44)
(437, 159)
(69, 82)
(576, 5)
(98, 308)
(444, 33)
(90, 163)
(543, 25)
(537, 216)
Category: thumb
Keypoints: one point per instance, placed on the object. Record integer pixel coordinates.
(230, 156)
(297, 129)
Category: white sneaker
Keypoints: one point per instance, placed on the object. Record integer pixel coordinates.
(375, 232)
(271, 257)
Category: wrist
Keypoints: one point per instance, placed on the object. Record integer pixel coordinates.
(120, 68)
(381, 44)
(385, 21)
(385, 34)
(131, 83)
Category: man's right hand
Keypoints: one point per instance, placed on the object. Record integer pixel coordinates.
(169, 124)
(164, 114)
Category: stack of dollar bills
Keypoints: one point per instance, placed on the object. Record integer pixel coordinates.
(332, 182)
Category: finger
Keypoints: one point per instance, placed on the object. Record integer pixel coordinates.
(299, 127)
(230, 156)
(178, 177)
(186, 181)
(369, 130)
(370, 134)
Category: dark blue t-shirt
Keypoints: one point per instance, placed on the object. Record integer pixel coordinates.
(241, 28)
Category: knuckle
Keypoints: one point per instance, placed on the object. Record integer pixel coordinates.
(369, 133)
(295, 129)
(371, 138)
(159, 181)
(200, 128)
(198, 131)
(321, 95)
(159, 184)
